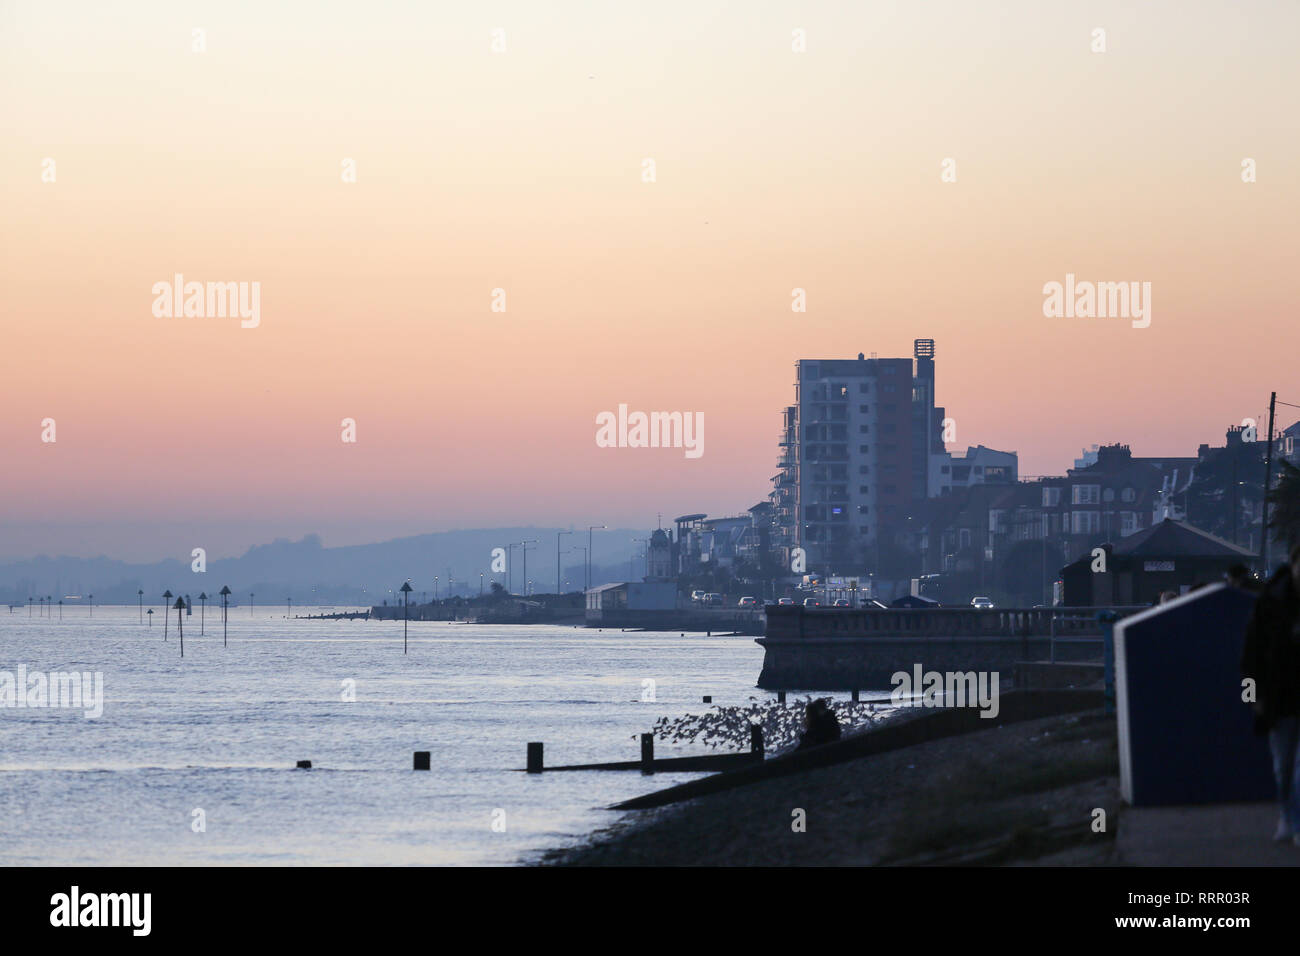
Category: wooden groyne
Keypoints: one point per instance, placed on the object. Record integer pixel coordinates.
(1014, 706)
(336, 616)
(650, 764)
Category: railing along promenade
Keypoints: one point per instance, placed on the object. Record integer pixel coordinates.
(830, 647)
(938, 622)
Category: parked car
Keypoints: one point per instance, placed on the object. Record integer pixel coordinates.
(748, 602)
(811, 602)
(697, 596)
(786, 602)
(841, 602)
(981, 602)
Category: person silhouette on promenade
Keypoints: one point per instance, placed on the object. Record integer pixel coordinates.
(1271, 657)
(1239, 576)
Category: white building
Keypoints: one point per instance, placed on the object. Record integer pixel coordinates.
(979, 466)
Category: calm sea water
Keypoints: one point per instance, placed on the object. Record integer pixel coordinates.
(222, 730)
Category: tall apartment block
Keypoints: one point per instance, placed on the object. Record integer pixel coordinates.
(858, 446)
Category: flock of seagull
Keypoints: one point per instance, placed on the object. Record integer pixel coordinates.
(728, 725)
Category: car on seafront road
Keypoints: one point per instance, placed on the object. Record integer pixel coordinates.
(981, 602)
(748, 602)
(786, 602)
(841, 603)
(811, 602)
(697, 596)
(713, 599)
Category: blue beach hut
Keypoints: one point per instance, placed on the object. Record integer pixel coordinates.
(1185, 735)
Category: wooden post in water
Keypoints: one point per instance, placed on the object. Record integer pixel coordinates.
(421, 760)
(203, 612)
(167, 596)
(647, 753)
(406, 604)
(708, 698)
(756, 741)
(225, 610)
(855, 695)
(180, 627)
(304, 764)
(780, 697)
(535, 757)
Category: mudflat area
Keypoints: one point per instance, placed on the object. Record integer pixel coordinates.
(1021, 793)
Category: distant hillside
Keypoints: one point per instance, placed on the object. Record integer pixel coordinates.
(311, 573)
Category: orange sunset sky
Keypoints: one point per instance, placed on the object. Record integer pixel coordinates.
(522, 170)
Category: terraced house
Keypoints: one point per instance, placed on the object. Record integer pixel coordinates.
(1015, 538)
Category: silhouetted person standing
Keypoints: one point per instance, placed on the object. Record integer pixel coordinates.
(1239, 576)
(1272, 658)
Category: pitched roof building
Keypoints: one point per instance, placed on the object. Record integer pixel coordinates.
(1168, 556)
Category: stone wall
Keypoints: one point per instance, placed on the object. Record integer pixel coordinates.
(867, 663)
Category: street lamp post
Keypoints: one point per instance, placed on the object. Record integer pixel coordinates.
(590, 528)
(523, 546)
(631, 573)
(510, 568)
(584, 568)
(558, 536)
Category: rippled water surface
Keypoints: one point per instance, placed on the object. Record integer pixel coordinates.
(222, 729)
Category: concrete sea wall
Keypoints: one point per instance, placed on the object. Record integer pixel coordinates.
(848, 649)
